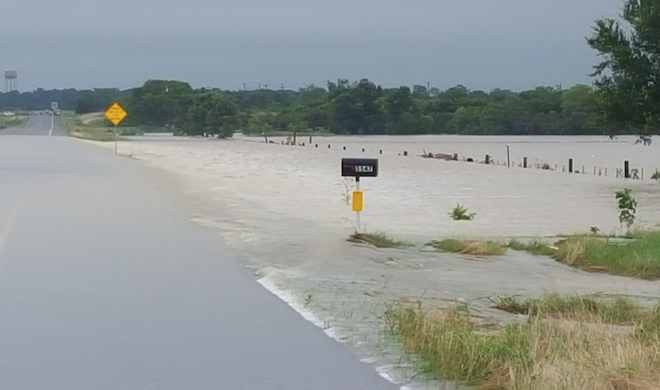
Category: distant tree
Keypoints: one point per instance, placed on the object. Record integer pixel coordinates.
(213, 113)
(628, 77)
(159, 103)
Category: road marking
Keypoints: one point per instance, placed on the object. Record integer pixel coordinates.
(9, 223)
(52, 124)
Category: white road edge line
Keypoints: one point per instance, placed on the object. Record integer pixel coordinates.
(290, 299)
(52, 124)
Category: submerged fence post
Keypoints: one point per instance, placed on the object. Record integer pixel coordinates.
(524, 162)
(570, 165)
(487, 160)
(626, 169)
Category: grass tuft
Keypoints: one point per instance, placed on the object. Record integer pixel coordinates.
(379, 240)
(619, 311)
(567, 345)
(637, 257)
(461, 213)
(470, 247)
(536, 248)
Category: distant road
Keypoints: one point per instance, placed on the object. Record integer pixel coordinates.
(39, 125)
(104, 285)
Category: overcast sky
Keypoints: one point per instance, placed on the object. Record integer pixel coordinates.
(482, 44)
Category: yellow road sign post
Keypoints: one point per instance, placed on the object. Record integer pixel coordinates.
(357, 168)
(358, 200)
(115, 114)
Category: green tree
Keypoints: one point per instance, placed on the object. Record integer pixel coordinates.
(159, 103)
(356, 109)
(213, 113)
(628, 77)
(399, 103)
(578, 106)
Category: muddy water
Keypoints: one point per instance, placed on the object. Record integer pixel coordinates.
(282, 211)
(587, 152)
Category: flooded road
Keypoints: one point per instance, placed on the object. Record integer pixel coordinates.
(282, 211)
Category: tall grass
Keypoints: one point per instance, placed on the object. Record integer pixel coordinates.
(470, 247)
(569, 348)
(638, 257)
(379, 240)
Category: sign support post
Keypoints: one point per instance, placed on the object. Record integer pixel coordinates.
(115, 114)
(357, 194)
(357, 168)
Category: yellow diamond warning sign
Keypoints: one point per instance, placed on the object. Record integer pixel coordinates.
(115, 114)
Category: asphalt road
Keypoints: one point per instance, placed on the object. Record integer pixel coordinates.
(104, 285)
(49, 125)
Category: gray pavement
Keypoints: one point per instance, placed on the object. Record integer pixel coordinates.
(45, 125)
(105, 285)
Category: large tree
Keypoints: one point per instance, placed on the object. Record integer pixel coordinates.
(212, 113)
(628, 77)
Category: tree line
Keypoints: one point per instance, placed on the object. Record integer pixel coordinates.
(341, 107)
(625, 99)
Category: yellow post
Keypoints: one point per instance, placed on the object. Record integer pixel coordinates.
(358, 201)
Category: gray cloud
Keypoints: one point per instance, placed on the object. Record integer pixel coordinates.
(480, 43)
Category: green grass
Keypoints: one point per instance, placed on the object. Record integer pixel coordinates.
(12, 121)
(537, 248)
(379, 240)
(565, 344)
(94, 127)
(638, 258)
(461, 213)
(618, 311)
(470, 247)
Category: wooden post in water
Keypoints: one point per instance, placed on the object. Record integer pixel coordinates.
(570, 165)
(405, 153)
(328, 146)
(524, 162)
(316, 145)
(626, 169)
(344, 147)
(487, 160)
(381, 151)
(362, 150)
